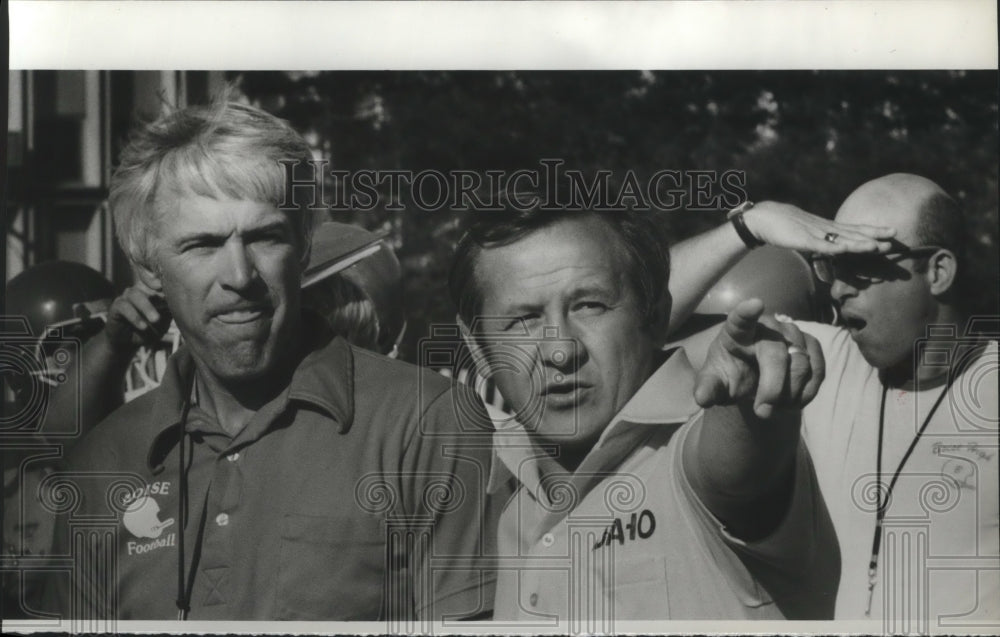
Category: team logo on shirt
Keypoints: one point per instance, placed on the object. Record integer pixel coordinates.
(638, 526)
(142, 519)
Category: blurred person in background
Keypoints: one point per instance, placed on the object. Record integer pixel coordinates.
(355, 281)
(96, 384)
(61, 299)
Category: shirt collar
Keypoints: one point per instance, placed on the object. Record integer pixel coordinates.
(666, 398)
(168, 406)
(323, 379)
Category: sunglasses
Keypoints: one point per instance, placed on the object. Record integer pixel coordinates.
(867, 268)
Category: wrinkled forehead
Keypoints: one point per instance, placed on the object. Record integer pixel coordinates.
(176, 204)
(187, 213)
(554, 260)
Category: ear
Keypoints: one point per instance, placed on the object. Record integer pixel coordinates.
(148, 277)
(478, 355)
(942, 268)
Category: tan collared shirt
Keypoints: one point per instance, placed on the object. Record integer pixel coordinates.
(625, 537)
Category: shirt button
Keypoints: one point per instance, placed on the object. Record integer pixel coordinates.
(548, 540)
(233, 457)
(533, 600)
(222, 519)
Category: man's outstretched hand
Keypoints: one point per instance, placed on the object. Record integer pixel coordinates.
(757, 358)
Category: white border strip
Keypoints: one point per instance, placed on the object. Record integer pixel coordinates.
(747, 627)
(766, 34)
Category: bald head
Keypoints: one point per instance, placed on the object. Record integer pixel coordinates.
(901, 201)
(889, 315)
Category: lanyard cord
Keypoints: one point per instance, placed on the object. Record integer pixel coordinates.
(883, 503)
(183, 595)
(185, 586)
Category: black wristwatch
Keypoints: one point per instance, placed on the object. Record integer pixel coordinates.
(735, 216)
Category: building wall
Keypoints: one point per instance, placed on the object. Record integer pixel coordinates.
(65, 129)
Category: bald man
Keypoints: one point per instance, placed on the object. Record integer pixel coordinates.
(903, 432)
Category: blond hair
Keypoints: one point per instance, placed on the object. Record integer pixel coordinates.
(223, 150)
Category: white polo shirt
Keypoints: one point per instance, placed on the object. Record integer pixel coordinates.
(939, 557)
(624, 537)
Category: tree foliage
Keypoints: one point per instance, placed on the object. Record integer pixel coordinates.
(808, 138)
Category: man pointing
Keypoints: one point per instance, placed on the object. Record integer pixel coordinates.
(631, 501)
